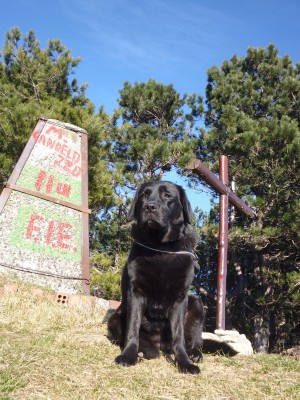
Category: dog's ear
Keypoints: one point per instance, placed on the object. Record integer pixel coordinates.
(186, 206)
(131, 213)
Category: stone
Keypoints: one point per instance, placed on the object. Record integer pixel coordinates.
(10, 288)
(75, 300)
(227, 342)
(114, 304)
(102, 303)
(293, 352)
(37, 293)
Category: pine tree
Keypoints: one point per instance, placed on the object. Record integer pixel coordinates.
(155, 133)
(253, 116)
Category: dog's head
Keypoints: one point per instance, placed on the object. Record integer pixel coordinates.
(160, 208)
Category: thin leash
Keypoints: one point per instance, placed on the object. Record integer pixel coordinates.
(167, 252)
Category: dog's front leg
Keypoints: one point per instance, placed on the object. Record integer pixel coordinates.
(135, 309)
(177, 317)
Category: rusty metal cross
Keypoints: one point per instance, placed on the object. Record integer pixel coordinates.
(226, 195)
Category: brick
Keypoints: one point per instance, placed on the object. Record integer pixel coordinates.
(62, 298)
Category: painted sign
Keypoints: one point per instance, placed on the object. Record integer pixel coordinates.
(44, 211)
(54, 166)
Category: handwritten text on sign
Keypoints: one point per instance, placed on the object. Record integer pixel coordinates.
(67, 159)
(54, 165)
(43, 232)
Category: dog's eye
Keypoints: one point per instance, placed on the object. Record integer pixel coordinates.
(167, 195)
(143, 196)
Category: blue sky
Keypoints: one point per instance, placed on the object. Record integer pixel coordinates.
(171, 41)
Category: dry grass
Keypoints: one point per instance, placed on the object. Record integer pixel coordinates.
(49, 351)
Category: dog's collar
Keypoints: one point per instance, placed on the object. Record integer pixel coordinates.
(167, 252)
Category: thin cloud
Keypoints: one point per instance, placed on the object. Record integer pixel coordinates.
(148, 33)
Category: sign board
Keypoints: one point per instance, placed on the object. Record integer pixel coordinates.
(44, 210)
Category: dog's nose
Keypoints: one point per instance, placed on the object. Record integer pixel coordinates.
(151, 207)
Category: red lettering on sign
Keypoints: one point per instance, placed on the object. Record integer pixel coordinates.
(55, 234)
(36, 135)
(76, 171)
(63, 235)
(64, 189)
(59, 161)
(50, 231)
(40, 179)
(49, 185)
(55, 130)
(68, 166)
(50, 143)
(42, 139)
(76, 157)
(65, 151)
(58, 147)
(32, 228)
(68, 157)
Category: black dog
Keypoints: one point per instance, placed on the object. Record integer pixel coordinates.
(156, 312)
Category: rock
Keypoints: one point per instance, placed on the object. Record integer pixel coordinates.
(10, 288)
(227, 342)
(114, 304)
(102, 303)
(37, 293)
(293, 352)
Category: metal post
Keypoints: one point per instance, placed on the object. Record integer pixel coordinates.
(223, 246)
(85, 270)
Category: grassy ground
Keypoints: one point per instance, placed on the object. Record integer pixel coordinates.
(50, 351)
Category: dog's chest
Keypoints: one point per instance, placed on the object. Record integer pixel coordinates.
(162, 277)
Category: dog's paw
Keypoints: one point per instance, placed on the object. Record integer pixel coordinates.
(126, 361)
(195, 355)
(189, 369)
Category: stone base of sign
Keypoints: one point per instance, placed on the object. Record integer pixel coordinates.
(58, 298)
(227, 342)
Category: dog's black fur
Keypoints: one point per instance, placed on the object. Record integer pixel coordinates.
(156, 312)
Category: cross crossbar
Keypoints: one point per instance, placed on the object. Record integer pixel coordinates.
(208, 176)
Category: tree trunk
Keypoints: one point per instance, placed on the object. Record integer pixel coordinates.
(261, 333)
